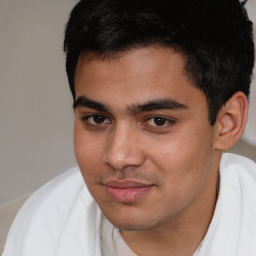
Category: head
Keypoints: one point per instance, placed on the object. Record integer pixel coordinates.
(160, 90)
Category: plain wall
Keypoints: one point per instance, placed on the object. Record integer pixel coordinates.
(36, 116)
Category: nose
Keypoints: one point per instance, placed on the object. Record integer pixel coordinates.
(124, 148)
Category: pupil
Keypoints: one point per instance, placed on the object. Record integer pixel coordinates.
(98, 119)
(159, 121)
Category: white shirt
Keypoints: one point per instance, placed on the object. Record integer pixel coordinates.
(62, 219)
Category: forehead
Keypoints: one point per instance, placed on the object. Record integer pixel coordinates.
(135, 76)
(134, 63)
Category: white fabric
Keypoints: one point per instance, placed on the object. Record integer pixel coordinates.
(106, 238)
(62, 219)
(122, 249)
(232, 231)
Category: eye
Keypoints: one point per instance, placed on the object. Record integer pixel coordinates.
(159, 121)
(95, 119)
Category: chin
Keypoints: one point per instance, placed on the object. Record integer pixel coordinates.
(132, 223)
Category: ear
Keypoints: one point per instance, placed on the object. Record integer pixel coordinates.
(231, 121)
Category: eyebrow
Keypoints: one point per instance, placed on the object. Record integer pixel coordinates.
(152, 105)
(83, 101)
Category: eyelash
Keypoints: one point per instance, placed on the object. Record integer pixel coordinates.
(167, 121)
(87, 117)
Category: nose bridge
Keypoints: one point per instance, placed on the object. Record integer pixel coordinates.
(123, 147)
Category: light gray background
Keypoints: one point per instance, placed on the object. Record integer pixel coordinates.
(36, 116)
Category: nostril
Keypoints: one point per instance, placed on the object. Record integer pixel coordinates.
(121, 157)
(123, 147)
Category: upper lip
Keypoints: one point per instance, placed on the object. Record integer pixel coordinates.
(126, 184)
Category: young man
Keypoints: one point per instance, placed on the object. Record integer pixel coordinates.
(160, 90)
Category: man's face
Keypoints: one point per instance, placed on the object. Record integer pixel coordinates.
(143, 141)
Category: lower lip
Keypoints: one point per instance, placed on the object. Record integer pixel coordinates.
(127, 195)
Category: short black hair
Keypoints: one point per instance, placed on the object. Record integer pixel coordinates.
(215, 37)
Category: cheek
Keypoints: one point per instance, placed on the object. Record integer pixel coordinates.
(184, 156)
(87, 151)
(88, 158)
(183, 167)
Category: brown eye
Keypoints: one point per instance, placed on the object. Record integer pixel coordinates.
(159, 121)
(95, 119)
(98, 119)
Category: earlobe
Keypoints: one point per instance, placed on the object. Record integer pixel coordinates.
(231, 121)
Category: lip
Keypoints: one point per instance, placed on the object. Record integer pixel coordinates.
(126, 191)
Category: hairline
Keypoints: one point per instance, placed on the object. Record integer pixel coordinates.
(117, 54)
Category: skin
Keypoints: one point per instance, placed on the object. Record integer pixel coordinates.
(175, 156)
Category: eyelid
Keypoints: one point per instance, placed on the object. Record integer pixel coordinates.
(85, 117)
(170, 121)
(84, 111)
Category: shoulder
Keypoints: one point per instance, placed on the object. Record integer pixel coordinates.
(44, 214)
(238, 160)
(238, 178)
(234, 166)
(233, 228)
(235, 210)
(60, 191)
